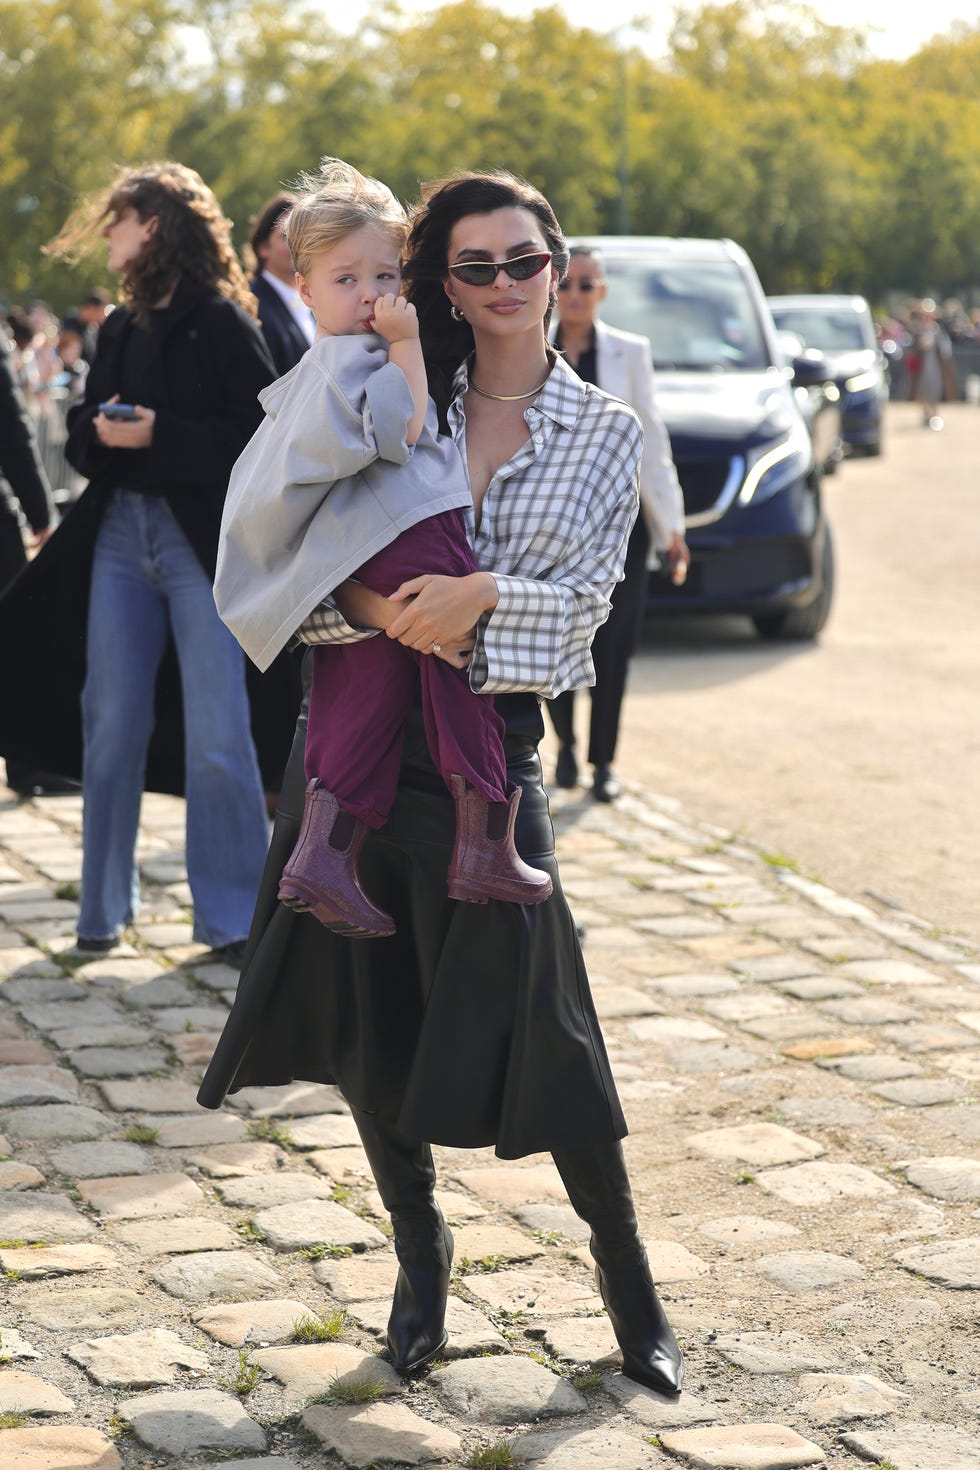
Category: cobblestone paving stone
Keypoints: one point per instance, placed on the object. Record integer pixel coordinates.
(800, 1070)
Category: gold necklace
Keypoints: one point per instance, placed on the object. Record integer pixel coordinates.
(508, 397)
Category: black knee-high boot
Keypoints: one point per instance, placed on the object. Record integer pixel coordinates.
(599, 1190)
(405, 1177)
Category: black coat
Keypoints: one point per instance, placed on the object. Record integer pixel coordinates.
(211, 365)
(283, 337)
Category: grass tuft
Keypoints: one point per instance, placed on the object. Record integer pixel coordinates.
(550, 1237)
(322, 1249)
(117, 1427)
(585, 1378)
(354, 1390)
(141, 1133)
(780, 860)
(250, 1231)
(12, 1419)
(246, 1376)
(68, 891)
(325, 1327)
(266, 1130)
(745, 1178)
(496, 1456)
(481, 1267)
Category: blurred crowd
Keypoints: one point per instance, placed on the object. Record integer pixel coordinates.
(50, 359)
(956, 321)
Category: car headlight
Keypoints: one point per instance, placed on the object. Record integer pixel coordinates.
(772, 468)
(861, 383)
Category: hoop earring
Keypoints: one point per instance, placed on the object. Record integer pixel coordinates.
(456, 314)
(553, 299)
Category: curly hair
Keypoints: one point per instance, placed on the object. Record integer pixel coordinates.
(336, 202)
(445, 342)
(192, 239)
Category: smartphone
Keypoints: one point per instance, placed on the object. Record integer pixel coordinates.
(120, 411)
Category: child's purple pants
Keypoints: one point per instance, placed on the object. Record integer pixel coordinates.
(362, 692)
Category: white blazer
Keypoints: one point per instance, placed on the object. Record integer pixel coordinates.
(624, 368)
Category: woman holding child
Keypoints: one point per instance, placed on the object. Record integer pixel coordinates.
(472, 1024)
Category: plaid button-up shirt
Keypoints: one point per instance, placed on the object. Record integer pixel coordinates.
(553, 532)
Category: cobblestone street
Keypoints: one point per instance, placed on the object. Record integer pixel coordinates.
(800, 1069)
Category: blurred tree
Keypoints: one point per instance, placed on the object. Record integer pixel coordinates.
(87, 84)
(762, 123)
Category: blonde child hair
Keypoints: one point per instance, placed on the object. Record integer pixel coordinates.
(335, 202)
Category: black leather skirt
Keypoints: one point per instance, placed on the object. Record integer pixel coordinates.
(474, 1023)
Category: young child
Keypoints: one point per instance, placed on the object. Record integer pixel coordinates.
(347, 477)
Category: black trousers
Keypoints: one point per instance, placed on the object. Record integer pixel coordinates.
(612, 649)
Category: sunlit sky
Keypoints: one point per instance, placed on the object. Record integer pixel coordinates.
(896, 29)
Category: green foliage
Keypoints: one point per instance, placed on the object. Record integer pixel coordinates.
(496, 1456)
(481, 1266)
(266, 1130)
(250, 1231)
(246, 1376)
(354, 1390)
(549, 1237)
(12, 1419)
(117, 1427)
(141, 1133)
(67, 891)
(762, 123)
(324, 1327)
(321, 1249)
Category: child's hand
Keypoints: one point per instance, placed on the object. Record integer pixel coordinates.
(395, 319)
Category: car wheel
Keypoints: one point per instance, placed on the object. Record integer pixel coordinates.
(799, 623)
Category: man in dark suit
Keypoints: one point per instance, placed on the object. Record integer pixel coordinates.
(287, 324)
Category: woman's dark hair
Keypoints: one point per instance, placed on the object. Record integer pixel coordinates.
(192, 238)
(445, 342)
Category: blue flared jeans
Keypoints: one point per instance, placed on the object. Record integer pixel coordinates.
(147, 584)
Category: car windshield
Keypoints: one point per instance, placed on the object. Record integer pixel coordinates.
(698, 314)
(828, 331)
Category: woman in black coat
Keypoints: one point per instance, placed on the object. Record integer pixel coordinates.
(169, 404)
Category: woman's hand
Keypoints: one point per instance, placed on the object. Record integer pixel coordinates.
(441, 610)
(126, 434)
(458, 653)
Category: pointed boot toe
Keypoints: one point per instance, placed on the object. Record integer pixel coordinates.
(417, 1325)
(664, 1373)
(651, 1353)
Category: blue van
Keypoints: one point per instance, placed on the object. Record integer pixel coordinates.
(740, 434)
(841, 330)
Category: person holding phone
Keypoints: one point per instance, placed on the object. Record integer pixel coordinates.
(170, 402)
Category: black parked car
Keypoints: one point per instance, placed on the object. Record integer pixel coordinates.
(839, 330)
(741, 441)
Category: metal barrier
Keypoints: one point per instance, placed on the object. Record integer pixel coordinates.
(50, 413)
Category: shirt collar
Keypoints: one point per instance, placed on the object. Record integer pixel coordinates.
(560, 399)
(288, 293)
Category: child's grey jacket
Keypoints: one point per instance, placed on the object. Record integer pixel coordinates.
(324, 483)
